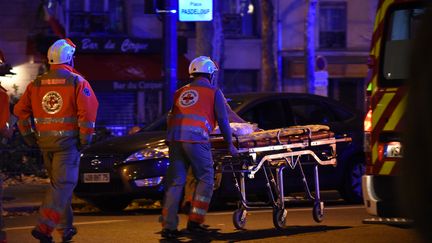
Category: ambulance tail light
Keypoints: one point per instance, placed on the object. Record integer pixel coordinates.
(367, 131)
(368, 122)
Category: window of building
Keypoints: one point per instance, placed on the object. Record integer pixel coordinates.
(332, 25)
(239, 18)
(96, 17)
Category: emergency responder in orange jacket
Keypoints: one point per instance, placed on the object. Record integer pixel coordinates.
(196, 109)
(5, 132)
(190, 185)
(63, 108)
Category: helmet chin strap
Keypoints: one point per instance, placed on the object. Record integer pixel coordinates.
(71, 63)
(212, 78)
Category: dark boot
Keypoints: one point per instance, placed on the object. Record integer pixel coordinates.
(170, 234)
(197, 228)
(43, 238)
(68, 233)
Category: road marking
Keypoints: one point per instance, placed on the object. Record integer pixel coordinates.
(293, 210)
(80, 223)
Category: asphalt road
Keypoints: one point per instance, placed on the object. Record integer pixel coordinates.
(342, 223)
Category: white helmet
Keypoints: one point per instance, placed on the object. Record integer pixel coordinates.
(61, 51)
(202, 64)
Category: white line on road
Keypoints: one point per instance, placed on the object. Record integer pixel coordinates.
(293, 210)
(80, 223)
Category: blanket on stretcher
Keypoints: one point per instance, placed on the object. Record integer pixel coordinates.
(293, 134)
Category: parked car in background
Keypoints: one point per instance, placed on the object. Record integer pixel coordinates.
(118, 170)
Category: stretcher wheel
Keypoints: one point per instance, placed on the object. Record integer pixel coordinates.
(279, 218)
(318, 212)
(239, 218)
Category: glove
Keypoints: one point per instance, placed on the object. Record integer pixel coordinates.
(30, 140)
(233, 150)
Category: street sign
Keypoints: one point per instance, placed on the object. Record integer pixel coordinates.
(321, 83)
(321, 63)
(195, 10)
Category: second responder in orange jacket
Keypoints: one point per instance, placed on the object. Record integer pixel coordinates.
(63, 107)
(197, 108)
(5, 128)
(5, 132)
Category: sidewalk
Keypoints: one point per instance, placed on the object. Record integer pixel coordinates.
(26, 195)
(23, 197)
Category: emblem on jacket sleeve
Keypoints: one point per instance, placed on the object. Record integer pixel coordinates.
(52, 102)
(86, 92)
(188, 98)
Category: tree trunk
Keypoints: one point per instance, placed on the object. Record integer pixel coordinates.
(310, 46)
(268, 60)
(210, 40)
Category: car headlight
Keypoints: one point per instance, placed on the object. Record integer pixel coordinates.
(149, 153)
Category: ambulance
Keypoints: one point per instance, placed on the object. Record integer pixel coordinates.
(395, 25)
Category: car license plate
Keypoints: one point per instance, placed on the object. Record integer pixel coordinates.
(96, 178)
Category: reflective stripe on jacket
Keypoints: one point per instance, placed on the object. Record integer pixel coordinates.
(62, 104)
(192, 117)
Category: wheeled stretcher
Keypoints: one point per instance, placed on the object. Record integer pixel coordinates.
(272, 151)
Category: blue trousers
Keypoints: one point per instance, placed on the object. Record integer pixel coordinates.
(182, 155)
(62, 167)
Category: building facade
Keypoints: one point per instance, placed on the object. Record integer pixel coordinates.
(120, 48)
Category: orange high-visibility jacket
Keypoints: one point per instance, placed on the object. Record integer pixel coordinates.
(61, 103)
(192, 117)
(4, 108)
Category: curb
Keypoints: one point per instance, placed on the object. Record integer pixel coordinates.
(30, 207)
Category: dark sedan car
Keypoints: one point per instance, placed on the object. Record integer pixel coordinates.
(118, 170)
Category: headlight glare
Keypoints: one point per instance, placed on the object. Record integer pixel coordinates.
(148, 153)
(154, 181)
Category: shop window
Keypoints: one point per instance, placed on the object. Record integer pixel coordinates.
(332, 25)
(96, 17)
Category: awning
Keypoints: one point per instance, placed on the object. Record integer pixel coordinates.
(127, 67)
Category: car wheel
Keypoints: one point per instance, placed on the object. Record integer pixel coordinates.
(351, 190)
(110, 204)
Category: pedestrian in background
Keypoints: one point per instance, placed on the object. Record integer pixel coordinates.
(63, 107)
(197, 108)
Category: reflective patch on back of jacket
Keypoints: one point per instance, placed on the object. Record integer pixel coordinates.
(52, 102)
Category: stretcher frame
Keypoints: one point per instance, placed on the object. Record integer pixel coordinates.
(273, 159)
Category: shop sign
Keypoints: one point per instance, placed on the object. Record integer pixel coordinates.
(131, 85)
(117, 45)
